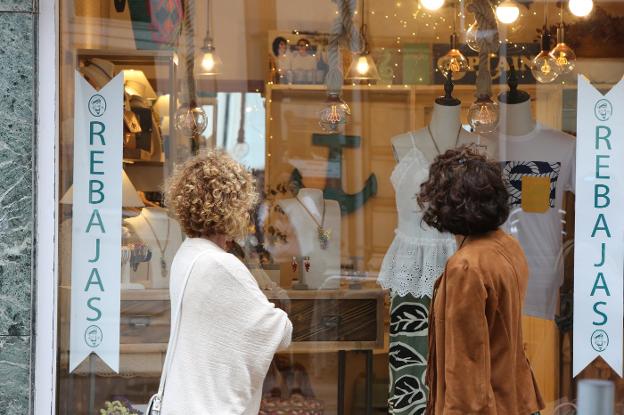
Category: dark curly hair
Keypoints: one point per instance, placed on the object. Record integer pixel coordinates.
(465, 193)
(276, 43)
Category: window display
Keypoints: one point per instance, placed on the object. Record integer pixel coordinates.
(337, 239)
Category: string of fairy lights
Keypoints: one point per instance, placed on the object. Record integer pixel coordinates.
(428, 22)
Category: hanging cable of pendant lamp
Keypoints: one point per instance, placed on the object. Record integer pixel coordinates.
(190, 118)
(453, 61)
(334, 114)
(363, 67)
(544, 67)
(562, 53)
(483, 114)
(210, 63)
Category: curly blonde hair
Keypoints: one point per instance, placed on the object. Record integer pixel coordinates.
(211, 194)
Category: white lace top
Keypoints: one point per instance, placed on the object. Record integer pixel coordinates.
(418, 253)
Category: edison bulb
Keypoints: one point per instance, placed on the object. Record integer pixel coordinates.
(455, 62)
(240, 150)
(471, 37)
(334, 115)
(507, 12)
(208, 61)
(190, 120)
(544, 67)
(581, 8)
(363, 68)
(564, 57)
(483, 115)
(432, 5)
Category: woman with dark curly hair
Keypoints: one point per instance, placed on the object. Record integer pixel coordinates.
(476, 362)
(228, 331)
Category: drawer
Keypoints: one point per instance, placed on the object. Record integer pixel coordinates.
(335, 320)
(145, 321)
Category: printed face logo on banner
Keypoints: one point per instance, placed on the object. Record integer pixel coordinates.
(599, 239)
(96, 227)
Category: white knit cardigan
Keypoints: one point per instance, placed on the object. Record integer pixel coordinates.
(228, 335)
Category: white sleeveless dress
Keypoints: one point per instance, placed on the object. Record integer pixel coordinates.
(418, 253)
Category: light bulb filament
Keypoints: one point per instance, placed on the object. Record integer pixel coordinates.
(454, 65)
(545, 68)
(334, 116)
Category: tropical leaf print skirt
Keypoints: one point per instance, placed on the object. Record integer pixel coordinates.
(409, 328)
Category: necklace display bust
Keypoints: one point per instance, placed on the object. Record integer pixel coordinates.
(163, 236)
(305, 213)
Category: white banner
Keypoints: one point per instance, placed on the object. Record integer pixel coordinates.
(96, 233)
(599, 228)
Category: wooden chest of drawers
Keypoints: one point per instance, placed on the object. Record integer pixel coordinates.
(323, 321)
(334, 319)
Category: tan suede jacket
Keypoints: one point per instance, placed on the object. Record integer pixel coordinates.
(476, 362)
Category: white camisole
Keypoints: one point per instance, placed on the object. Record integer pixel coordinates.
(418, 253)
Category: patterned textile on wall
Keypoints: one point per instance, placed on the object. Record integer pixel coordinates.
(156, 23)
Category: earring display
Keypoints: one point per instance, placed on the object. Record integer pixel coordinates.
(306, 263)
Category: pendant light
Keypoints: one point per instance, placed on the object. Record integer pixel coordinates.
(190, 119)
(454, 61)
(483, 115)
(210, 63)
(432, 5)
(363, 67)
(507, 12)
(581, 8)
(544, 67)
(562, 53)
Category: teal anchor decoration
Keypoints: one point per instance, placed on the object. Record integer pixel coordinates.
(333, 190)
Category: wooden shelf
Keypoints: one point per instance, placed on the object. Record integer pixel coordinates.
(145, 295)
(139, 162)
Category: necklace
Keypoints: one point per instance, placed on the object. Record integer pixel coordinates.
(323, 234)
(163, 263)
(436, 144)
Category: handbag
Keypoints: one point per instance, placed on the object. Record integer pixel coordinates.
(155, 403)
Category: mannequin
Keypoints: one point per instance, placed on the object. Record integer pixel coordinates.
(538, 166)
(418, 253)
(305, 213)
(515, 109)
(163, 236)
(445, 124)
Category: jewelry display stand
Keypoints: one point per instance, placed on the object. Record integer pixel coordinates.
(163, 236)
(317, 226)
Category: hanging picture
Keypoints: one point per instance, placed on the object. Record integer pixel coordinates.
(298, 58)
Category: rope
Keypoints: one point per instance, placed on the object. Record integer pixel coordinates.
(189, 50)
(343, 31)
(487, 39)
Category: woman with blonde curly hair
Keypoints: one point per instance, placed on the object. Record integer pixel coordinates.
(227, 331)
